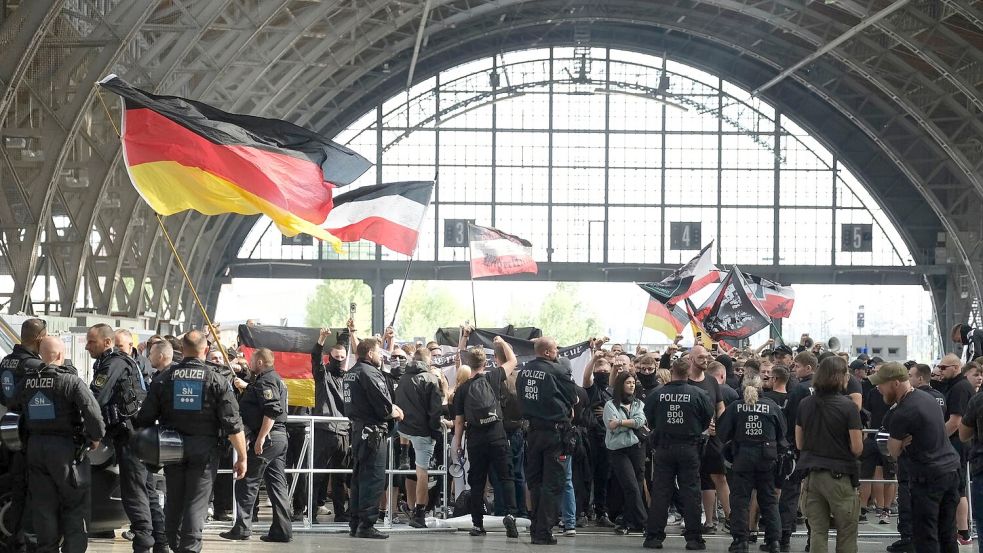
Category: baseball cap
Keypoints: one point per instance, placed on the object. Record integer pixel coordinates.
(887, 372)
(783, 349)
(857, 364)
(876, 360)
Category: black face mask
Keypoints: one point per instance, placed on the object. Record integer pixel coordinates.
(334, 367)
(601, 378)
(648, 380)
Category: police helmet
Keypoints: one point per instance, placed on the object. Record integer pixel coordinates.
(101, 456)
(158, 446)
(10, 431)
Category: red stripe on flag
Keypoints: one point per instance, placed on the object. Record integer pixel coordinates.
(287, 364)
(382, 231)
(502, 265)
(290, 183)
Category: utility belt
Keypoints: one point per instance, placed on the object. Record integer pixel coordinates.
(374, 435)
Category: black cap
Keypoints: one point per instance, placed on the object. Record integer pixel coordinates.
(857, 364)
(876, 360)
(863, 357)
(783, 349)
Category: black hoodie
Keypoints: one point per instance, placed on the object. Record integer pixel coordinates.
(328, 399)
(418, 395)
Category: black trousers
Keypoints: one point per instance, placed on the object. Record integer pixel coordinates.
(933, 505)
(331, 451)
(742, 483)
(788, 503)
(676, 463)
(222, 500)
(486, 456)
(189, 489)
(627, 465)
(368, 478)
(546, 476)
(269, 467)
(61, 501)
(23, 527)
(156, 513)
(133, 492)
(905, 526)
(295, 443)
(601, 468)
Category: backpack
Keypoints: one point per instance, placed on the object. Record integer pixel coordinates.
(482, 407)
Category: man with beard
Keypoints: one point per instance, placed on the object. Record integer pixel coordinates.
(331, 440)
(958, 391)
(919, 440)
(712, 470)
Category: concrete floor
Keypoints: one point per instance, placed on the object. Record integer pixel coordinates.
(404, 540)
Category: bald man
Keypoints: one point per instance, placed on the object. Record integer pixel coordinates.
(52, 351)
(958, 390)
(713, 480)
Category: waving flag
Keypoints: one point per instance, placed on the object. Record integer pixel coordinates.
(182, 154)
(387, 214)
(685, 281)
(494, 253)
(667, 319)
(776, 300)
(700, 336)
(732, 312)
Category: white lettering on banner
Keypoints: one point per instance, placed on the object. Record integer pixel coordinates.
(188, 374)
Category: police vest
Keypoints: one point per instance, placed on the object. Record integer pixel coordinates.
(677, 410)
(536, 388)
(47, 403)
(756, 423)
(188, 402)
(11, 372)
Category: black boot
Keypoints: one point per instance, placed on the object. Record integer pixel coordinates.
(419, 519)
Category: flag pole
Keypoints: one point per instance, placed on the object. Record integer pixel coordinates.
(474, 305)
(402, 288)
(194, 292)
(170, 243)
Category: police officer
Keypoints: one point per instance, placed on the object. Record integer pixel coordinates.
(61, 419)
(263, 408)
(918, 438)
(546, 398)
(678, 414)
(118, 385)
(198, 403)
(369, 405)
(756, 430)
(32, 331)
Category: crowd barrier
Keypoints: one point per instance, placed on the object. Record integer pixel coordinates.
(306, 463)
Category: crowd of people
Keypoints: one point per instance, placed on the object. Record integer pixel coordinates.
(751, 442)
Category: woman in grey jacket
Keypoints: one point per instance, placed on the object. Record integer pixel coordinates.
(623, 420)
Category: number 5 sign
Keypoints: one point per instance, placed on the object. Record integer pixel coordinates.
(856, 238)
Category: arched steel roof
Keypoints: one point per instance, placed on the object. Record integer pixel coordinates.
(900, 101)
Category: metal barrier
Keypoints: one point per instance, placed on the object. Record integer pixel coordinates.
(306, 456)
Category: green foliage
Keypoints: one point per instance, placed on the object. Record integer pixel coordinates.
(328, 307)
(427, 306)
(561, 316)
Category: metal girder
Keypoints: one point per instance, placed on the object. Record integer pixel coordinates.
(24, 30)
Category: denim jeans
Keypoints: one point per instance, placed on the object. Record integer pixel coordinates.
(568, 507)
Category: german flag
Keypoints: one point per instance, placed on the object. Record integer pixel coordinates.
(182, 154)
(291, 347)
(665, 318)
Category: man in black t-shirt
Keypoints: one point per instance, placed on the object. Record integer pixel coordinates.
(712, 469)
(919, 441)
(958, 390)
(719, 373)
(488, 447)
(873, 465)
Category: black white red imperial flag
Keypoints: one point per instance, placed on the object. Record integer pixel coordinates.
(388, 214)
(732, 312)
(495, 253)
(686, 280)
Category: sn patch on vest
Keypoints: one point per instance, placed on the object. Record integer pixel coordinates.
(7, 382)
(187, 395)
(41, 408)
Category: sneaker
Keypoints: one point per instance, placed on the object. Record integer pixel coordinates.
(370, 533)
(727, 523)
(323, 510)
(737, 545)
(901, 546)
(696, 545)
(652, 543)
(964, 538)
(883, 517)
(709, 529)
(863, 515)
(604, 522)
(128, 535)
(477, 531)
(569, 532)
(510, 529)
(233, 535)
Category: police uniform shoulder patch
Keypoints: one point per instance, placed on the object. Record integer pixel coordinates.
(267, 394)
(100, 380)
